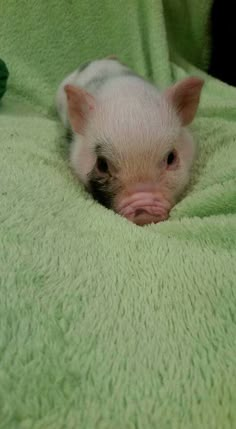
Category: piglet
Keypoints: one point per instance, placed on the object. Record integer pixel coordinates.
(130, 145)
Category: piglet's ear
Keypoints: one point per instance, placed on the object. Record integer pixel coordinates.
(185, 97)
(80, 104)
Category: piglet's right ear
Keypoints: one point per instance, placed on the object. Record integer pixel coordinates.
(80, 104)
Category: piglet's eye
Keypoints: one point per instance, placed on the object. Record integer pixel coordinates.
(171, 158)
(102, 165)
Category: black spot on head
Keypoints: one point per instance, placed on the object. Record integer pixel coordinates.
(97, 82)
(84, 66)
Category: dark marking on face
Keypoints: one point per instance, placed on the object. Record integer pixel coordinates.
(100, 192)
(101, 189)
(98, 148)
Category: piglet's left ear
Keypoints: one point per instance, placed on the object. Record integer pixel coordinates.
(80, 105)
(184, 97)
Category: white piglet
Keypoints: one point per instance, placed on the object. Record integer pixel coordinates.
(130, 145)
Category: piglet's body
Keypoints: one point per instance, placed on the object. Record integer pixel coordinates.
(130, 145)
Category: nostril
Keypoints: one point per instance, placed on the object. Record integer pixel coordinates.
(139, 212)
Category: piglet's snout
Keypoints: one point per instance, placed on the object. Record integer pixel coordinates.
(143, 207)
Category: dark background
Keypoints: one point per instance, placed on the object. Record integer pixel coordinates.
(223, 33)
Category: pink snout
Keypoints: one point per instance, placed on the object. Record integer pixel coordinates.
(144, 207)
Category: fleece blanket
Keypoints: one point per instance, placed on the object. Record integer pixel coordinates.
(105, 325)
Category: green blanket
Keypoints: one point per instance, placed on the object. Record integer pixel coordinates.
(105, 325)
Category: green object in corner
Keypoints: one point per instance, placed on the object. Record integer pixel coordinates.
(4, 73)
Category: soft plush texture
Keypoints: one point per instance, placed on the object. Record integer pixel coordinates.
(103, 324)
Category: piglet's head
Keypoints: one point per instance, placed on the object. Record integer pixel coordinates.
(133, 151)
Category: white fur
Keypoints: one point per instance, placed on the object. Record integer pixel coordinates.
(95, 69)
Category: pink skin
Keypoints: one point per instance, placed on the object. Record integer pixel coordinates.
(144, 205)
